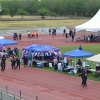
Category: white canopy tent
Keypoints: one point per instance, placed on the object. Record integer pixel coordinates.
(92, 25)
(95, 58)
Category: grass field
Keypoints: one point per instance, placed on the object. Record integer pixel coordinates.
(10, 25)
(89, 48)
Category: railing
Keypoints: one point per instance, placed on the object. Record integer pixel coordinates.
(5, 94)
(8, 96)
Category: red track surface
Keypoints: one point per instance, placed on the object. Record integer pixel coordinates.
(45, 84)
(46, 39)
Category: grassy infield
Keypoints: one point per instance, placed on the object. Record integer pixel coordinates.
(70, 23)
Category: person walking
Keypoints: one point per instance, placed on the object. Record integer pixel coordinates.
(33, 34)
(66, 37)
(73, 38)
(4, 61)
(55, 63)
(20, 36)
(18, 62)
(49, 31)
(53, 33)
(2, 65)
(25, 61)
(29, 34)
(64, 32)
(85, 78)
(83, 75)
(30, 60)
(37, 34)
(13, 62)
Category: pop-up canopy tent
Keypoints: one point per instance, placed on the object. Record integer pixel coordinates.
(77, 54)
(95, 58)
(6, 42)
(92, 25)
(40, 50)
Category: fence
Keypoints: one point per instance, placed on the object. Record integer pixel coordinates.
(6, 95)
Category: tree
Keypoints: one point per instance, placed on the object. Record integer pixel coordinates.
(22, 12)
(53, 14)
(12, 6)
(5, 11)
(43, 12)
(45, 7)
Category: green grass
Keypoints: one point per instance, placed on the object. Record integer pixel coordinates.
(49, 68)
(89, 48)
(69, 23)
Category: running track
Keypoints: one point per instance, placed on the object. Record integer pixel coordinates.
(47, 85)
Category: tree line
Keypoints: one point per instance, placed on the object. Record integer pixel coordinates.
(49, 7)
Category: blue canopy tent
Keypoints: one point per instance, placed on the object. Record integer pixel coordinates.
(31, 46)
(77, 54)
(40, 50)
(6, 42)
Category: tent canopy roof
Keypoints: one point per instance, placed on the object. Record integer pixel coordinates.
(6, 42)
(92, 25)
(1, 37)
(77, 54)
(40, 48)
(95, 58)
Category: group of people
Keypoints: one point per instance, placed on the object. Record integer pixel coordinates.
(27, 59)
(52, 32)
(9, 52)
(3, 63)
(17, 36)
(15, 62)
(33, 34)
(13, 54)
(90, 38)
(71, 34)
